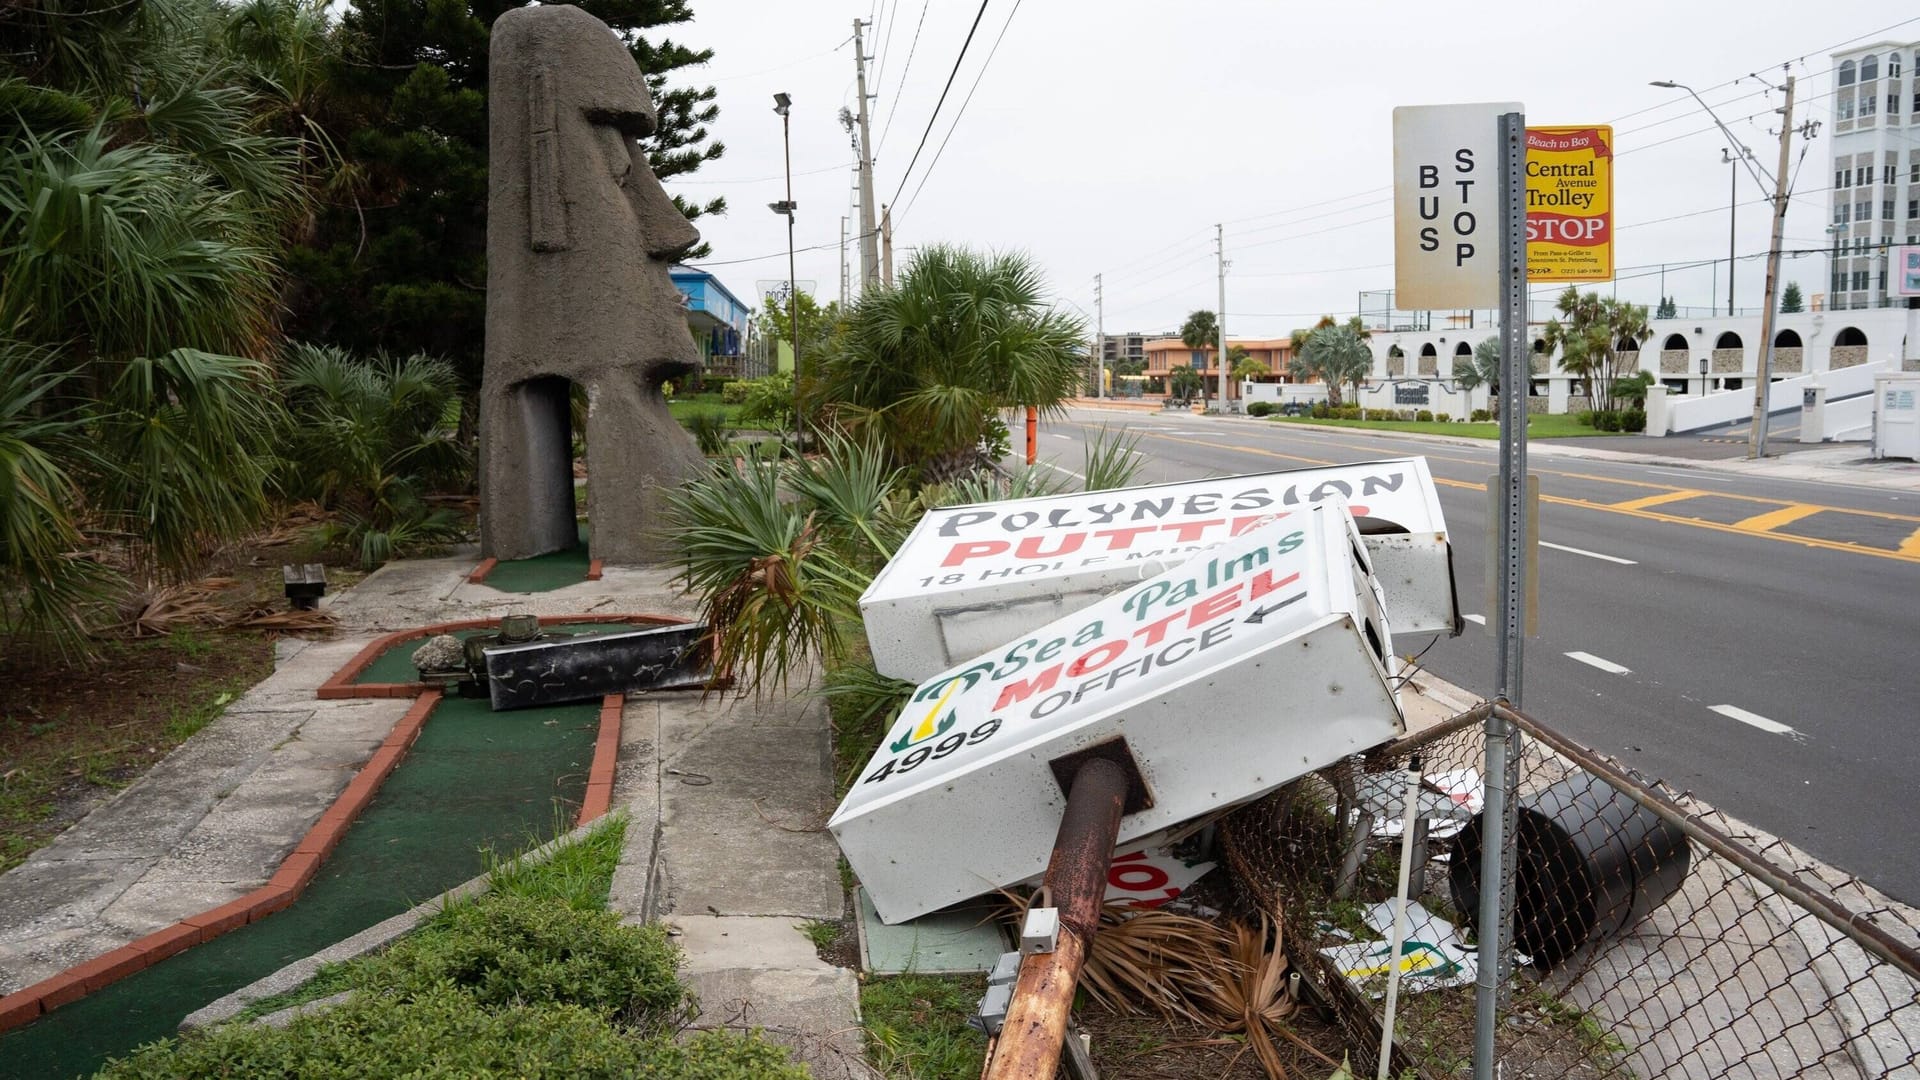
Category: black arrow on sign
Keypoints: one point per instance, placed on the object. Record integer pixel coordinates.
(1261, 614)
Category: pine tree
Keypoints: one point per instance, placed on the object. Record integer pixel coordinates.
(397, 260)
(1790, 300)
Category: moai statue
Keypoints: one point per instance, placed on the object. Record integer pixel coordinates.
(580, 237)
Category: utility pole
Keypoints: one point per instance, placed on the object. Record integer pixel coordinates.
(1220, 243)
(1100, 338)
(843, 261)
(1758, 448)
(869, 240)
(886, 246)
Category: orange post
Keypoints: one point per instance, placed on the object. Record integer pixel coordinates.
(1033, 434)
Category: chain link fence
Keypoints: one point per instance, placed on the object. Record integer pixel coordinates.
(1654, 936)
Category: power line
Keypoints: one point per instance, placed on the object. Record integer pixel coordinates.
(781, 254)
(951, 75)
(961, 112)
(886, 44)
(904, 72)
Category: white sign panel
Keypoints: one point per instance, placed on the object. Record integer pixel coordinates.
(1255, 662)
(971, 577)
(1446, 205)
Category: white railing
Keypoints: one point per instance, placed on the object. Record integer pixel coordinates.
(1686, 414)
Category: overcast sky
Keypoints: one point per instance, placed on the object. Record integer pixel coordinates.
(1110, 136)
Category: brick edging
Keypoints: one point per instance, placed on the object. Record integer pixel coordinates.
(606, 758)
(340, 684)
(300, 865)
(280, 891)
(481, 571)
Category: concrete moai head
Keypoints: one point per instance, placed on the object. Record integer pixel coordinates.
(580, 238)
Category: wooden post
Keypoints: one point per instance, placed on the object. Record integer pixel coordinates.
(1033, 434)
(1029, 1044)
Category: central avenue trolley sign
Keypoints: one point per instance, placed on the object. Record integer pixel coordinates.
(971, 577)
(1254, 662)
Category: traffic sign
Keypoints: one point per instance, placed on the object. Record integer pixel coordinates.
(1570, 203)
(1446, 205)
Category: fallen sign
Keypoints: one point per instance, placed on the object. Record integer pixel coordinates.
(1255, 662)
(592, 665)
(970, 577)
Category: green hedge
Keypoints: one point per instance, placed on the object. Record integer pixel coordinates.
(1260, 408)
(446, 1033)
(508, 985)
(506, 950)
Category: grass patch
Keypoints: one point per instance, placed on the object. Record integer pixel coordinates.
(683, 406)
(822, 934)
(1539, 426)
(917, 1026)
(73, 733)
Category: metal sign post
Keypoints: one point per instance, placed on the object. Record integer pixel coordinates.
(1495, 920)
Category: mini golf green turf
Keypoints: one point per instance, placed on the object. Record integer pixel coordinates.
(542, 573)
(475, 780)
(396, 664)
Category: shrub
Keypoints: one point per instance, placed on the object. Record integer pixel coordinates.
(1445, 418)
(769, 401)
(1481, 415)
(505, 950)
(709, 427)
(444, 1032)
(1606, 420)
(1633, 420)
(1260, 408)
(1425, 416)
(735, 392)
(1322, 410)
(1584, 419)
(1349, 412)
(717, 384)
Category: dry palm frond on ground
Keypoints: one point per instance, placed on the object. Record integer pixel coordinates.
(1229, 977)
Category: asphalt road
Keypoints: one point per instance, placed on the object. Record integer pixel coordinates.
(1755, 641)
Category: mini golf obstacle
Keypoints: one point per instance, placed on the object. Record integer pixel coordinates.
(969, 578)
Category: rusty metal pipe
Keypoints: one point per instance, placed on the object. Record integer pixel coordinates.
(1036, 1026)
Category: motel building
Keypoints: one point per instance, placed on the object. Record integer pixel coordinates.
(1704, 367)
(1164, 355)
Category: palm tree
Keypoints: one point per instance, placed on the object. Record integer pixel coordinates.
(1588, 337)
(927, 366)
(1482, 369)
(1200, 332)
(1336, 356)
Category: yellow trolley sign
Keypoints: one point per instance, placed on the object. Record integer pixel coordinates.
(1570, 203)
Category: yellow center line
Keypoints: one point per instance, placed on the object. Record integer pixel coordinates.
(1909, 550)
(1678, 495)
(1773, 519)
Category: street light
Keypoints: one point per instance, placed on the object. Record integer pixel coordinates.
(786, 207)
(1758, 447)
(1728, 157)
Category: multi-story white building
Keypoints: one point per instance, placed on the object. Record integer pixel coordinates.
(1875, 150)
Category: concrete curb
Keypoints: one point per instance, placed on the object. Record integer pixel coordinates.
(372, 939)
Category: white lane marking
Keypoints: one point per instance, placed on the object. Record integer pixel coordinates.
(1605, 665)
(1481, 619)
(1057, 468)
(1057, 435)
(1589, 554)
(1771, 727)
